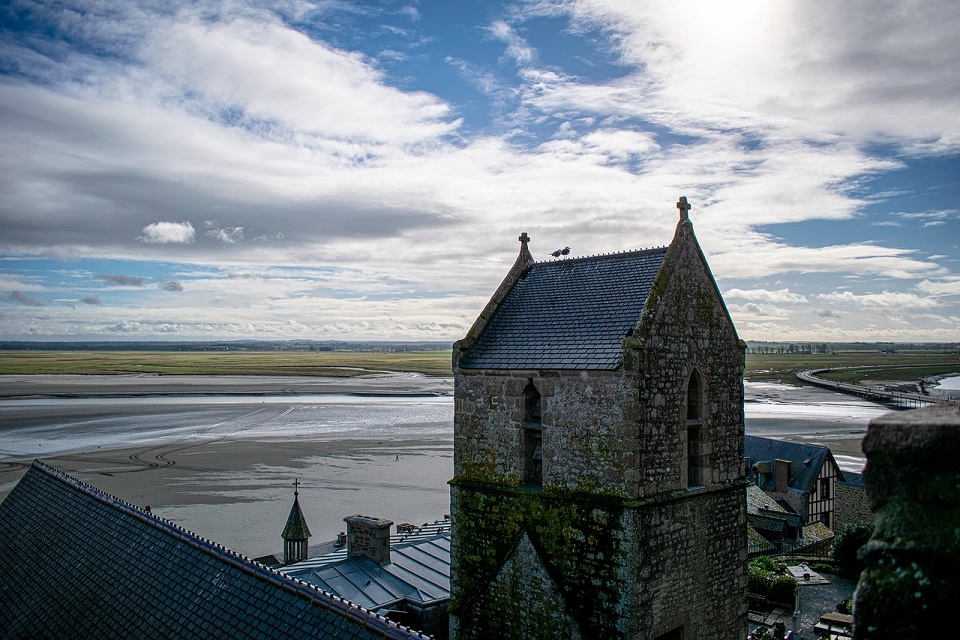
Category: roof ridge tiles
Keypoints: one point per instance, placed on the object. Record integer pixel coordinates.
(594, 256)
(290, 584)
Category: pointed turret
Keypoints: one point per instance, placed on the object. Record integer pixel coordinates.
(296, 532)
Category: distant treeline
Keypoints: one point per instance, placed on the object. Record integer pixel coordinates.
(806, 348)
(232, 345)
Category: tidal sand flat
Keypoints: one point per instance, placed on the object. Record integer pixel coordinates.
(218, 455)
(221, 459)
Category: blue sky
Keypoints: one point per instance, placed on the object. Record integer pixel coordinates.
(361, 170)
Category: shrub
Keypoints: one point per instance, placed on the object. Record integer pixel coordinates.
(847, 544)
(764, 581)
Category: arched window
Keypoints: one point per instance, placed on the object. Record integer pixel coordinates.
(532, 437)
(694, 397)
(532, 404)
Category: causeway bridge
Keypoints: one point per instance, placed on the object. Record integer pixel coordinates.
(900, 399)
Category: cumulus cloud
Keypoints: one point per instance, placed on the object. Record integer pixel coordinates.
(172, 286)
(758, 310)
(168, 232)
(766, 295)
(94, 300)
(239, 117)
(120, 280)
(24, 299)
(224, 235)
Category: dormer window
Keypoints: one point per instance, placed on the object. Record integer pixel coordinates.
(532, 437)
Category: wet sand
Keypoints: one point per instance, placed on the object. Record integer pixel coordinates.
(77, 386)
(237, 490)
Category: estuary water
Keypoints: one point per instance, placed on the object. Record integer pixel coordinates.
(32, 427)
(222, 465)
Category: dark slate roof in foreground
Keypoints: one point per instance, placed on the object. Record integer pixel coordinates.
(78, 563)
(568, 314)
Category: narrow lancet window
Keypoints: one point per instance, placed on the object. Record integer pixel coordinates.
(532, 437)
(694, 399)
(696, 453)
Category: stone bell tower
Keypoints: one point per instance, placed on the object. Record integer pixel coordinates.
(598, 489)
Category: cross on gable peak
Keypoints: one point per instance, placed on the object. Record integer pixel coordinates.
(296, 487)
(524, 238)
(684, 208)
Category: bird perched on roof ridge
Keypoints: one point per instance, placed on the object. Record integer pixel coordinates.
(561, 252)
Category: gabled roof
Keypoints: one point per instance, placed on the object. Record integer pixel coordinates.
(417, 572)
(567, 314)
(758, 501)
(79, 563)
(296, 527)
(806, 461)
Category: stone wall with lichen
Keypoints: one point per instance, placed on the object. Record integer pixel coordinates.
(581, 542)
(911, 584)
(684, 331)
(588, 429)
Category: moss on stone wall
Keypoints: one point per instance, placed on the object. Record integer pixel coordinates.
(579, 537)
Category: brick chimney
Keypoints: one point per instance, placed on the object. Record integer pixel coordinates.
(369, 537)
(781, 474)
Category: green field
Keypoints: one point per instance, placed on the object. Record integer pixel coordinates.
(851, 366)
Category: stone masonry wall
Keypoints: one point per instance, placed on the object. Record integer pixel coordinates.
(851, 506)
(691, 557)
(585, 434)
(687, 331)
(621, 543)
(580, 541)
(910, 586)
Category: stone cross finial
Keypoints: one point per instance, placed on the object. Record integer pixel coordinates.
(296, 486)
(524, 238)
(684, 207)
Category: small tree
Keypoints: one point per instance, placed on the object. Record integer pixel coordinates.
(847, 544)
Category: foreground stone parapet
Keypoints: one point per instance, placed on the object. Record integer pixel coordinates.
(910, 587)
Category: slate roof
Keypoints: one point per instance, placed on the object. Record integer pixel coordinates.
(418, 571)
(79, 563)
(806, 461)
(568, 314)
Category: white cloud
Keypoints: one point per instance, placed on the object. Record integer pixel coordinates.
(517, 50)
(765, 295)
(168, 232)
(752, 309)
(887, 299)
(276, 74)
(838, 68)
(946, 287)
